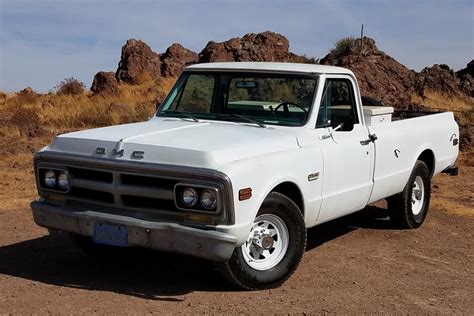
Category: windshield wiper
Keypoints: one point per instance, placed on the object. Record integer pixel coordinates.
(248, 119)
(187, 114)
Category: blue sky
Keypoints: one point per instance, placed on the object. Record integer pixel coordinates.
(43, 42)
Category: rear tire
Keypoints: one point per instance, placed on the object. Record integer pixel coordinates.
(274, 248)
(409, 208)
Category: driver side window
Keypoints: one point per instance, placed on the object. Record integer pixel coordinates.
(337, 105)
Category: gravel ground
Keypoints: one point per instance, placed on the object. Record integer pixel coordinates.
(357, 264)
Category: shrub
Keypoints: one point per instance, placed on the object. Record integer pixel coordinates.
(344, 47)
(26, 120)
(3, 97)
(70, 86)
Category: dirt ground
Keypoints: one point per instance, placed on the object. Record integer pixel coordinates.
(357, 264)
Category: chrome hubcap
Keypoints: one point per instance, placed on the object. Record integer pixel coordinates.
(417, 195)
(267, 243)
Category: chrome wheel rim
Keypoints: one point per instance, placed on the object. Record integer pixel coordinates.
(417, 195)
(267, 242)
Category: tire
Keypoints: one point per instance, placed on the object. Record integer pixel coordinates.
(409, 208)
(273, 254)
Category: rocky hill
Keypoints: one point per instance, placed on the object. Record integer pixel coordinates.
(380, 76)
(139, 63)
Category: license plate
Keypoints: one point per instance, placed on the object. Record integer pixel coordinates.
(112, 235)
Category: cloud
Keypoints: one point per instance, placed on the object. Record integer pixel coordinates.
(42, 42)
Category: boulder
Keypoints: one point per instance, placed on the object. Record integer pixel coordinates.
(379, 75)
(27, 91)
(469, 70)
(138, 63)
(266, 46)
(104, 82)
(175, 59)
(439, 78)
(466, 79)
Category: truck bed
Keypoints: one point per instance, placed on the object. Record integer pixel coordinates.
(400, 142)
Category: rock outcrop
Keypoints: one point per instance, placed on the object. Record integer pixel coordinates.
(105, 82)
(266, 46)
(138, 63)
(439, 78)
(380, 76)
(175, 59)
(466, 78)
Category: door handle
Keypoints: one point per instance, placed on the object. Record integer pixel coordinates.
(372, 139)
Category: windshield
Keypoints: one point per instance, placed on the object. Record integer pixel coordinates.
(279, 99)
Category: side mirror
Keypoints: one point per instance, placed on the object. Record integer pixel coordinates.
(348, 124)
(332, 130)
(158, 104)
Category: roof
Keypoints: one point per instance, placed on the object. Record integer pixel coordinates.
(270, 67)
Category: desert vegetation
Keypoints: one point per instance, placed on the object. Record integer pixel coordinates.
(70, 86)
(30, 117)
(30, 120)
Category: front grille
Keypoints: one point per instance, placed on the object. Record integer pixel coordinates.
(93, 195)
(147, 202)
(90, 174)
(130, 179)
(144, 191)
(122, 189)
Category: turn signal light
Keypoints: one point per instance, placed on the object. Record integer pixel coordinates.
(199, 218)
(245, 194)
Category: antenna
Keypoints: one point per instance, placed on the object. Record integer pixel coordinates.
(361, 37)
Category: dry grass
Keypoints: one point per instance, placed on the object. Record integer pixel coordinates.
(30, 121)
(36, 118)
(436, 100)
(455, 195)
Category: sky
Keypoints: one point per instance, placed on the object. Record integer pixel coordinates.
(45, 41)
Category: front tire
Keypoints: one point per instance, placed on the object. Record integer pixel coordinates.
(274, 249)
(409, 208)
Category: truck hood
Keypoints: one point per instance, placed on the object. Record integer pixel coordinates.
(176, 141)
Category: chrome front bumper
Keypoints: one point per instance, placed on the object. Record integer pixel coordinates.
(171, 237)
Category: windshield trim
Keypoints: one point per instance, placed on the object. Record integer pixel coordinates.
(185, 75)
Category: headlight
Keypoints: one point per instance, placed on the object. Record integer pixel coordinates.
(50, 178)
(209, 199)
(189, 197)
(63, 181)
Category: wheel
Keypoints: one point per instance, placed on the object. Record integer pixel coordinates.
(274, 248)
(409, 208)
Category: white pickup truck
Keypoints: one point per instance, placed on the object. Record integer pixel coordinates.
(239, 160)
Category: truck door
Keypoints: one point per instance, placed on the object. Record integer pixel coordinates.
(347, 152)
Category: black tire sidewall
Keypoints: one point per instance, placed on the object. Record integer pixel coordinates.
(287, 211)
(420, 170)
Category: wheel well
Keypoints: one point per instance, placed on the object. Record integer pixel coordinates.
(428, 158)
(292, 191)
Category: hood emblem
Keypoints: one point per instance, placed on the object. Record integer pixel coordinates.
(100, 150)
(313, 176)
(118, 151)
